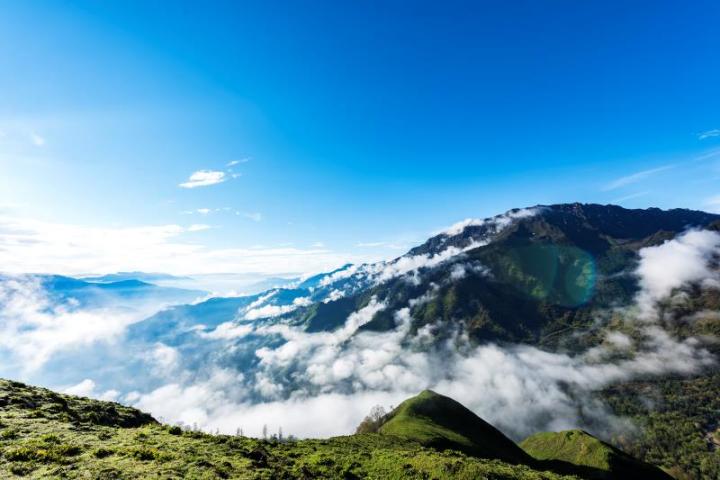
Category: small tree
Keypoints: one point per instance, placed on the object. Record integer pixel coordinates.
(373, 421)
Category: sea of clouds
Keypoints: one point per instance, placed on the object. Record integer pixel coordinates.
(324, 383)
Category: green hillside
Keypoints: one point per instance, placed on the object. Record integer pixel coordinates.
(440, 422)
(48, 435)
(581, 448)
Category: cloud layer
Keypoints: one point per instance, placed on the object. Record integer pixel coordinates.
(312, 377)
(28, 245)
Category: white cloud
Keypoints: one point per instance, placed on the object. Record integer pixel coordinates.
(82, 389)
(86, 388)
(715, 132)
(635, 177)
(204, 178)
(164, 358)
(198, 227)
(28, 245)
(237, 162)
(673, 264)
(227, 331)
(341, 374)
(629, 197)
(713, 203)
(206, 211)
(254, 216)
(393, 246)
(37, 140)
(497, 222)
(33, 327)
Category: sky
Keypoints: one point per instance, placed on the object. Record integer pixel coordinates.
(285, 137)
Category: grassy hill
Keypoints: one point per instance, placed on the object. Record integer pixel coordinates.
(440, 422)
(582, 449)
(44, 434)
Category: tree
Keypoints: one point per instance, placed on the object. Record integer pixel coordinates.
(373, 421)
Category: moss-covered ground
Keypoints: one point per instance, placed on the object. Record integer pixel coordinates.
(48, 435)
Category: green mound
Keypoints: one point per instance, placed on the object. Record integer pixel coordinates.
(44, 403)
(440, 422)
(582, 449)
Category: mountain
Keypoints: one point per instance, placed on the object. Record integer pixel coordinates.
(528, 275)
(44, 434)
(142, 276)
(440, 422)
(98, 294)
(531, 274)
(581, 448)
(538, 290)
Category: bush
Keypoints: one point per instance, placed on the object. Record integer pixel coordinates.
(103, 452)
(9, 434)
(373, 422)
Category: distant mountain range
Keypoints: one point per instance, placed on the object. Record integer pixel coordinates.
(89, 293)
(526, 276)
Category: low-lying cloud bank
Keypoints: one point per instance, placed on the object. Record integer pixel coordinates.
(320, 384)
(34, 327)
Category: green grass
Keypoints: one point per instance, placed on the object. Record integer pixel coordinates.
(47, 435)
(441, 422)
(582, 449)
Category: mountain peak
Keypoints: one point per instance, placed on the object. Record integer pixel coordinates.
(437, 421)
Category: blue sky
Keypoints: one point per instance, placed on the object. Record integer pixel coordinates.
(359, 128)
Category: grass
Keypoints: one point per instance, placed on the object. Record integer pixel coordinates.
(47, 435)
(582, 449)
(441, 422)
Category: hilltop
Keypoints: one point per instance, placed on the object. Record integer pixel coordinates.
(440, 422)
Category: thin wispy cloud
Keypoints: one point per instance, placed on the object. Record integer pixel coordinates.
(713, 203)
(393, 246)
(635, 178)
(28, 245)
(370, 244)
(254, 216)
(37, 140)
(198, 227)
(715, 132)
(629, 197)
(237, 162)
(204, 178)
(200, 211)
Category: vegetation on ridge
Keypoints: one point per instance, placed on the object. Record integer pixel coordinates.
(44, 434)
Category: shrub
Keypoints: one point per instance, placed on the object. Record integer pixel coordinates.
(103, 452)
(9, 434)
(373, 422)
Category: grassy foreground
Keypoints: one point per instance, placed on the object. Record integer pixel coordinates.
(48, 435)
